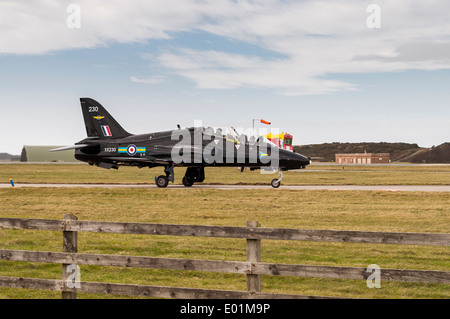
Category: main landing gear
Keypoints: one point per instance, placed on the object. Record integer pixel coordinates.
(163, 181)
(276, 182)
(193, 175)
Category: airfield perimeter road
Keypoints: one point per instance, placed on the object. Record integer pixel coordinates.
(403, 188)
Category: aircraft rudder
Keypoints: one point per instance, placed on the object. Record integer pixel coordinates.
(99, 123)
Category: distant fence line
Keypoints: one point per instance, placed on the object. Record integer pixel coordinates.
(253, 268)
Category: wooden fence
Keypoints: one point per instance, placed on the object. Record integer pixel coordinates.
(253, 268)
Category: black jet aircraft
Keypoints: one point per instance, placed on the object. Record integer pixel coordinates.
(108, 146)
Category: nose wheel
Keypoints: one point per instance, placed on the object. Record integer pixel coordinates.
(276, 182)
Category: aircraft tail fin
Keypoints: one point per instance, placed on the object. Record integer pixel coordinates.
(99, 123)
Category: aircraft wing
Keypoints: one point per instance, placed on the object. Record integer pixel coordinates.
(153, 160)
(70, 147)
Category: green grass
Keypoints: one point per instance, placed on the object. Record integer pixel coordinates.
(339, 210)
(312, 175)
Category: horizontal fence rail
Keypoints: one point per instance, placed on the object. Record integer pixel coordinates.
(237, 267)
(434, 239)
(143, 290)
(253, 268)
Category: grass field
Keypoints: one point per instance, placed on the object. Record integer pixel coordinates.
(312, 175)
(338, 210)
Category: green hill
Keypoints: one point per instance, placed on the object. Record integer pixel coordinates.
(326, 152)
(435, 154)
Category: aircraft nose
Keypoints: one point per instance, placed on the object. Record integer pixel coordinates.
(293, 160)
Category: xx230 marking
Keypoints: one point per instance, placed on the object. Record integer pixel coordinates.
(110, 149)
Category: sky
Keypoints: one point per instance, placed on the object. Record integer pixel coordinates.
(324, 71)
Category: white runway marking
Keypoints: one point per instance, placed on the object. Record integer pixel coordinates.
(403, 188)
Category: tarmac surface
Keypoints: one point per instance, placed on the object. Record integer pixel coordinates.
(393, 188)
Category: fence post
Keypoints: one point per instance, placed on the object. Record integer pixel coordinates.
(253, 255)
(70, 245)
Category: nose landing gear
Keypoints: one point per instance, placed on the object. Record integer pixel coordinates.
(276, 182)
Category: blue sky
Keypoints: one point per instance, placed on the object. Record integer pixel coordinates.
(312, 68)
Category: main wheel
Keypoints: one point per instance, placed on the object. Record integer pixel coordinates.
(162, 181)
(275, 183)
(188, 182)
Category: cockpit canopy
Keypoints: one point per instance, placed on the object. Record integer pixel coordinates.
(236, 135)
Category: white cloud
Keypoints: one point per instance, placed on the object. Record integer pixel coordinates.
(313, 39)
(219, 70)
(39, 26)
(151, 80)
(318, 39)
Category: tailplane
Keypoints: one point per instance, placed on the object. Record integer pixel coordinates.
(99, 123)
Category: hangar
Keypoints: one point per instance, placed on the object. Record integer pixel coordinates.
(40, 153)
(363, 158)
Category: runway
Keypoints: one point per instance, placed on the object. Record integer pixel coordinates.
(392, 188)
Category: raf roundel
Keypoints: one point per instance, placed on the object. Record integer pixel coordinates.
(131, 150)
